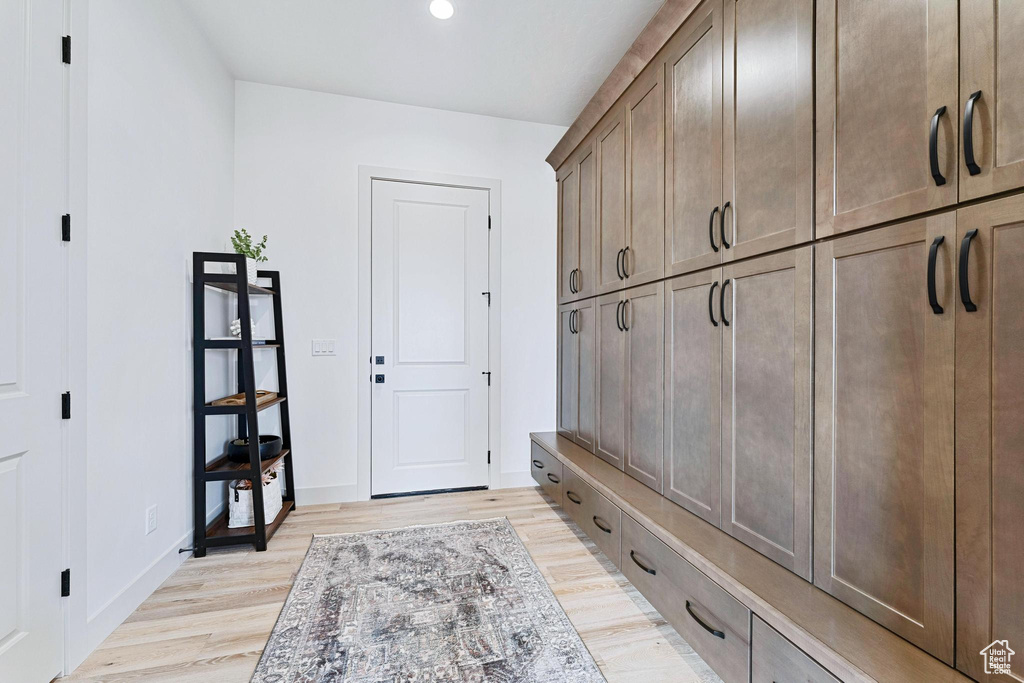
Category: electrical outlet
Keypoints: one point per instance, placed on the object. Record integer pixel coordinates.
(324, 347)
(150, 519)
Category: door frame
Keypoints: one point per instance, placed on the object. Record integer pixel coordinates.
(367, 174)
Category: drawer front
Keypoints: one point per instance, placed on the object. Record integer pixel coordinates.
(547, 471)
(714, 623)
(776, 660)
(597, 516)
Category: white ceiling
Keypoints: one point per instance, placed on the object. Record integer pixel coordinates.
(532, 60)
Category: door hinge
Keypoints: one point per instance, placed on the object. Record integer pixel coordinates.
(488, 457)
(65, 583)
(488, 222)
(65, 405)
(488, 377)
(65, 44)
(65, 227)
(488, 295)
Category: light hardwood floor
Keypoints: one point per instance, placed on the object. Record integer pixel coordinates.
(210, 620)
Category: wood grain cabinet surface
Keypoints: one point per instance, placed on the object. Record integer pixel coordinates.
(577, 186)
(884, 427)
(773, 659)
(577, 365)
(610, 146)
(612, 387)
(990, 432)
(546, 470)
(643, 317)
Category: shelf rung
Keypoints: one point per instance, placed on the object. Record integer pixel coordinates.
(223, 468)
(237, 344)
(229, 283)
(218, 533)
(241, 409)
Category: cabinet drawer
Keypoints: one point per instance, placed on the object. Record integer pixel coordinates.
(776, 660)
(547, 471)
(597, 516)
(714, 623)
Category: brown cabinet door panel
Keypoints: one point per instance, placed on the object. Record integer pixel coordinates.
(645, 187)
(610, 444)
(883, 71)
(568, 369)
(884, 428)
(774, 659)
(768, 100)
(991, 44)
(693, 142)
(611, 201)
(644, 317)
(586, 339)
(568, 231)
(693, 394)
(766, 406)
(586, 277)
(990, 435)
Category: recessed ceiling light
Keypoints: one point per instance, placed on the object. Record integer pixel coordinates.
(442, 9)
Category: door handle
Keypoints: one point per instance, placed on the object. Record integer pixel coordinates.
(972, 166)
(711, 229)
(572, 279)
(725, 321)
(602, 527)
(711, 303)
(553, 479)
(721, 222)
(628, 303)
(703, 624)
(538, 464)
(573, 329)
(618, 265)
(573, 497)
(933, 253)
(618, 316)
(965, 286)
(649, 570)
(625, 254)
(933, 146)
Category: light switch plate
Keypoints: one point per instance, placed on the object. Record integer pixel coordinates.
(324, 347)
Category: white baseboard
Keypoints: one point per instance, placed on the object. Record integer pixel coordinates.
(323, 495)
(513, 480)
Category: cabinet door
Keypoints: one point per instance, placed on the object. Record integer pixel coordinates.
(611, 380)
(586, 280)
(991, 43)
(611, 201)
(990, 434)
(568, 230)
(693, 142)
(586, 339)
(644, 319)
(693, 394)
(884, 428)
(645, 188)
(883, 72)
(773, 659)
(769, 126)
(766, 406)
(568, 369)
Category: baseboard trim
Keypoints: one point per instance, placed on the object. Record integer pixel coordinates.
(323, 495)
(515, 480)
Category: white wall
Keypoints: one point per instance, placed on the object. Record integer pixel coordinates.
(160, 110)
(297, 155)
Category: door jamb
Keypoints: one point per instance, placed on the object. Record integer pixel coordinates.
(367, 174)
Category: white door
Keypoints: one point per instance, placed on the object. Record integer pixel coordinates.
(429, 337)
(32, 181)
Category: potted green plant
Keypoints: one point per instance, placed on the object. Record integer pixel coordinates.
(253, 253)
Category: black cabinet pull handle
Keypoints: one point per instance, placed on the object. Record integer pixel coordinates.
(618, 265)
(711, 229)
(572, 281)
(632, 556)
(618, 316)
(579, 277)
(933, 146)
(573, 497)
(711, 303)
(703, 624)
(725, 321)
(972, 166)
(553, 479)
(602, 527)
(625, 254)
(538, 464)
(965, 286)
(628, 303)
(721, 223)
(933, 253)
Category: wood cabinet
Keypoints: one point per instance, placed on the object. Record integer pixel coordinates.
(693, 394)
(991, 42)
(884, 73)
(884, 427)
(610, 146)
(643, 314)
(610, 444)
(577, 365)
(768, 97)
(990, 431)
(774, 659)
(546, 470)
(765, 318)
(577, 226)
(644, 256)
(693, 142)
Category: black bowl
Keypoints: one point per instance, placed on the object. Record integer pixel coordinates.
(270, 446)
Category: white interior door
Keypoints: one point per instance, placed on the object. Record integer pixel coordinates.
(429, 337)
(32, 182)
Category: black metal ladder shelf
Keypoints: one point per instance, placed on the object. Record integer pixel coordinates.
(223, 468)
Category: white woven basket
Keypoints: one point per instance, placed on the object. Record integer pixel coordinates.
(240, 509)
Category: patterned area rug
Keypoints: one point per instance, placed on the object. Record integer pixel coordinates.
(447, 602)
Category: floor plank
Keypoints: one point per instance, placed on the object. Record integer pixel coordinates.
(211, 619)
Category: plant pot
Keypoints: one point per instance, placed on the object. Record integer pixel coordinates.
(250, 270)
(270, 446)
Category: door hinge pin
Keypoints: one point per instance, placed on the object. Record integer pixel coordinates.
(65, 227)
(488, 295)
(488, 377)
(65, 583)
(488, 457)
(488, 222)
(65, 49)
(65, 405)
